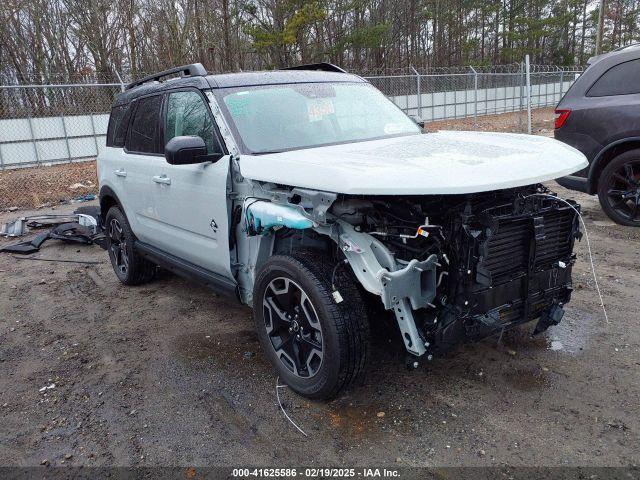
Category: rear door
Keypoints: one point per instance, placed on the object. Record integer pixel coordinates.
(112, 161)
(191, 215)
(141, 154)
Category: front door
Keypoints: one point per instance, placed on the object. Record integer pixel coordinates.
(190, 201)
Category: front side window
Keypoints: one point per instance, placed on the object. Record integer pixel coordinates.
(622, 79)
(144, 130)
(188, 114)
(274, 118)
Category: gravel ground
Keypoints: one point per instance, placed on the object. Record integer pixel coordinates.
(170, 374)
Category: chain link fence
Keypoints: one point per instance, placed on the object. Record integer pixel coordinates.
(474, 91)
(63, 126)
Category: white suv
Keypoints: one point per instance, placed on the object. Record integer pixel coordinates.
(308, 195)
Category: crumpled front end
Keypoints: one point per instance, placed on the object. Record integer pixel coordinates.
(449, 268)
(460, 268)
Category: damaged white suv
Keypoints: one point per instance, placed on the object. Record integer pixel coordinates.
(308, 195)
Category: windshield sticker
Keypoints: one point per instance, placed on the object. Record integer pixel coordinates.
(238, 106)
(319, 108)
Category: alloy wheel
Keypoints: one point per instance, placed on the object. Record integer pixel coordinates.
(623, 191)
(118, 246)
(293, 327)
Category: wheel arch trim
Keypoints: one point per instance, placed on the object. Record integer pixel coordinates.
(596, 165)
(106, 193)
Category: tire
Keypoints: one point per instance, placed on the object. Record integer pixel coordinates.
(130, 268)
(619, 189)
(341, 330)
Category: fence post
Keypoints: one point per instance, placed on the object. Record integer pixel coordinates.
(122, 85)
(419, 91)
(66, 136)
(528, 77)
(561, 84)
(475, 97)
(32, 134)
(95, 135)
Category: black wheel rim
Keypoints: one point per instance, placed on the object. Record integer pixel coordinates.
(623, 191)
(118, 246)
(293, 327)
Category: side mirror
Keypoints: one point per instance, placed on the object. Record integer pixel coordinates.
(418, 121)
(185, 150)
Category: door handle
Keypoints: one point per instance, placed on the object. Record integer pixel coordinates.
(120, 172)
(163, 179)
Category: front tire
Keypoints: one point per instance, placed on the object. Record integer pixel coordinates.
(318, 347)
(129, 266)
(619, 189)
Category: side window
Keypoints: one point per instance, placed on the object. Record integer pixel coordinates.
(188, 114)
(622, 79)
(144, 130)
(118, 123)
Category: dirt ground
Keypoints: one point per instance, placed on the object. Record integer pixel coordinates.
(514, 122)
(170, 374)
(46, 186)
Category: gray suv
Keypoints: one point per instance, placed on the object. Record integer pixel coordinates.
(600, 116)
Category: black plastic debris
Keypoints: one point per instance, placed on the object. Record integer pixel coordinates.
(71, 232)
(68, 232)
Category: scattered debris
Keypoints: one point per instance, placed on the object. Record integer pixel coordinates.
(84, 198)
(380, 414)
(618, 425)
(47, 387)
(68, 232)
(248, 354)
(78, 185)
(20, 226)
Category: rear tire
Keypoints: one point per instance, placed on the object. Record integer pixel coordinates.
(619, 189)
(318, 347)
(129, 266)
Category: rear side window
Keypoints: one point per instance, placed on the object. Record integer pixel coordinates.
(145, 126)
(118, 123)
(622, 79)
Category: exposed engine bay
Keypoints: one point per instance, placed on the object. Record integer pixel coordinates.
(452, 268)
(489, 260)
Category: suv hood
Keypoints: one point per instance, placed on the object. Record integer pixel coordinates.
(445, 162)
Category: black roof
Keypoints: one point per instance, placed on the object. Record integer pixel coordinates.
(242, 79)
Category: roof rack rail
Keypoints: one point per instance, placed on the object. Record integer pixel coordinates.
(322, 66)
(193, 70)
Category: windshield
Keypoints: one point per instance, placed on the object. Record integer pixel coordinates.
(275, 118)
